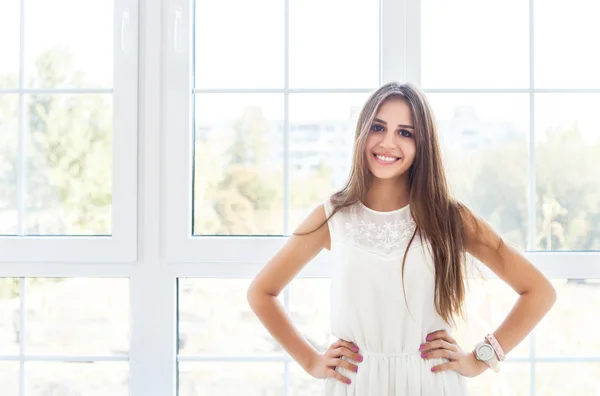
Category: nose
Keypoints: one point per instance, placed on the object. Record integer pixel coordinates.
(387, 142)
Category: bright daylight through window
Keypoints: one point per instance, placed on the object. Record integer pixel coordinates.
(155, 154)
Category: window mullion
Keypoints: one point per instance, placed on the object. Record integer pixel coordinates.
(531, 218)
(393, 41)
(21, 163)
(413, 42)
(22, 333)
(152, 287)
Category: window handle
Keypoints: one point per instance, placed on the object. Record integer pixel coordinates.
(176, 27)
(125, 32)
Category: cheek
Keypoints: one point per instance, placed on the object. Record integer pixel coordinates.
(370, 143)
(410, 151)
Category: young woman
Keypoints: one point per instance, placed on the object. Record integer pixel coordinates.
(399, 242)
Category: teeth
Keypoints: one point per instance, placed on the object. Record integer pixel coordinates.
(388, 159)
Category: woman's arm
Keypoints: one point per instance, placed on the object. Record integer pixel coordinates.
(536, 293)
(279, 271)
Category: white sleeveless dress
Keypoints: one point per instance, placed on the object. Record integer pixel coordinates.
(369, 309)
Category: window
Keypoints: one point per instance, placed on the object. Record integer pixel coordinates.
(68, 126)
(264, 126)
(535, 126)
(260, 137)
(526, 164)
(268, 138)
(68, 195)
(54, 343)
(245, 113)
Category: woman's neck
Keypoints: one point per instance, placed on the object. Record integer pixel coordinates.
(388, 195)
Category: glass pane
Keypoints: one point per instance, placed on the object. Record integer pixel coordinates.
(304, 384)
(9, 45)
(9, 143)
(9, 378)
(488, 303)
(238, 165)
(233, 50)
(567, 329)
(567, 179)
(573, 379)
(321, 142)
(212, 315)
(333, 44)
(310, 310)
(77, 316)
(512, 380)
(89, 379)
(566, 54)
(227, 379)
(69, 164)
(468, 44)
(63, 51)
(10, 309)
(485, 143)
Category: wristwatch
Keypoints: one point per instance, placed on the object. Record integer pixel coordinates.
(484, 352)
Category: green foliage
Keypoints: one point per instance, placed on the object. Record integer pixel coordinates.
(494, 183)
(68, 153)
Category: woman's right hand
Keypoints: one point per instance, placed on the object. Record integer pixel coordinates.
(323, 366)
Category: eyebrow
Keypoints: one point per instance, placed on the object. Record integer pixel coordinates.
(400, 125)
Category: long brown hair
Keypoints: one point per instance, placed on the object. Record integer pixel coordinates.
(439, 218)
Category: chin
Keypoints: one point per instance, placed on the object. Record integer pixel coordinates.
(385, 174)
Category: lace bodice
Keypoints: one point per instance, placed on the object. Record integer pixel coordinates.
(382, 233)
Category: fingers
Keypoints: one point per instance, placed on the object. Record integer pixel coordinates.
(440, 353)
(347, 344)
(344, 363)
(438, 344)
(440, 334)
(336, 351)
(342, 351)
(445, 367)
(334, 374)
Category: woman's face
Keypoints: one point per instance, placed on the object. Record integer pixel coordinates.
(390, 148)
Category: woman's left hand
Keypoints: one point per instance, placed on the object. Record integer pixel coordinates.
(439, 344)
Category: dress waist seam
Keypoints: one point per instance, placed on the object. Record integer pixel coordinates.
(389, 354)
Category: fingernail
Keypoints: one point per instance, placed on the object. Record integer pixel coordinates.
(356, 369)
(348, 381)
(423, 355)
(433, 369)
(355, 349)
(421, 347)
(359, 358)
(427, 338)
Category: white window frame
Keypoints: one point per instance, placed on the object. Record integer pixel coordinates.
(120, 246)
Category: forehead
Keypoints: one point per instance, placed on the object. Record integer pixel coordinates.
(395, 110)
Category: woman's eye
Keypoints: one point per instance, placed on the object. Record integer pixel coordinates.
(405, 133)
(377, 128)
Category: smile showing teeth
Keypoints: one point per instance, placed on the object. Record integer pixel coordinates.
(386, 159)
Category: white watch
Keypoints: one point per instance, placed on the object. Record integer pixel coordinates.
(484, 352)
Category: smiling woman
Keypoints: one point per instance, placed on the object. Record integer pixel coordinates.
(396, 200)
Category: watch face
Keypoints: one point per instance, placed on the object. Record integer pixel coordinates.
(485, 352)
